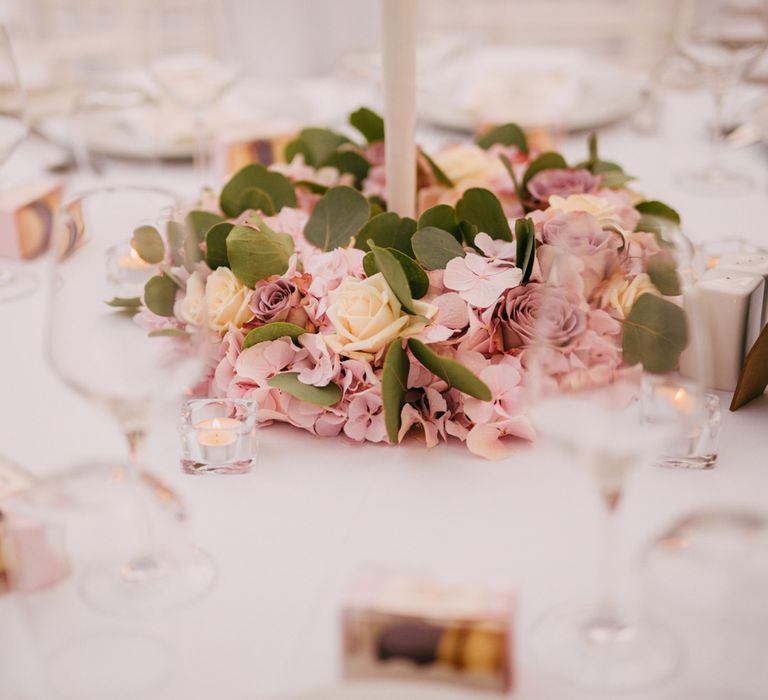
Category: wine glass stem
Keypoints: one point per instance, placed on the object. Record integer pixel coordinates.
(718, 91)
(201, 147)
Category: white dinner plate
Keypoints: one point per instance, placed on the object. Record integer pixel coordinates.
(533, 87)
(389, 690)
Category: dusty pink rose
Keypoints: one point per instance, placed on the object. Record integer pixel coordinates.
(535, 311)
(563, 181)
(272, 301)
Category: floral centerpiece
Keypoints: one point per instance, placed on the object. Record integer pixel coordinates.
(344, 319)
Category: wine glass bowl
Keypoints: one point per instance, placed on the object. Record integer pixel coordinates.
(723, 39)
(98, 344)
(590, 349)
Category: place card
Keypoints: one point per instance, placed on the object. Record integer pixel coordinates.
(754, 263)
(731, 303)
(398, 626)
(234, 149)
(27, 218)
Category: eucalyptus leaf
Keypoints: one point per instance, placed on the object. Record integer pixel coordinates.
(148, 244)
(368, 123)
(316, 145)
(395, 276)
(468, 232)
(482, 208)
(455, 374)
(314, 187)
(255, 254)
(525, 250)
(169, 333)
(435, 248)
(655, 334)
(663, 273)
(176, 235)
(506, 135)
(417, 278)
(124, 302)
(201, 221)
(653, 207)
(336, 218)
(216, 245)
(394, 384)
(546, 161)
(442, 216)
(272, 331)
(257, 199)
(277, 187)
(160, 295)
(440, 176)
(348, 161)
(387, 230)
(615, 179)
(318, 395)
(519, 189)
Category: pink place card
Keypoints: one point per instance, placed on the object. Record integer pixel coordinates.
(27, 218)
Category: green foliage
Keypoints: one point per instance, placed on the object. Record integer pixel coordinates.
(482, 208)
(368, 123)
(160, 295)
(394, 383)
(505, 134)
(272, 331)
(318, 395)
(655, 333)
(435, 248)
(418, 282)
(257, 253)
(271, 189)
(337, 218)
(148, 244)
(454, 374)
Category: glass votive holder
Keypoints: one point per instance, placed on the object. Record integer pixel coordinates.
(711, 252)
(126, 270)
(218, 436)
(698, 414)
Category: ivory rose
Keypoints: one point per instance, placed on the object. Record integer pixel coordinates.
(192, 307)
(227, 300)
(620, 294)
(367, 316)
(467, 163)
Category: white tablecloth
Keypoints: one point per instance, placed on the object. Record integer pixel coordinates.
(288, 536)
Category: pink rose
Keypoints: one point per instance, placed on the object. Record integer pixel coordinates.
(563, 182)
(533, 311)
(272, 301)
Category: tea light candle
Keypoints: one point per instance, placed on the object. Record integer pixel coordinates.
(127, 269)
(754, 263)
(220, 433)
(218, 436)
(679, 398)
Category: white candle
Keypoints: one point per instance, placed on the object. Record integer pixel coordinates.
(730, 304)
(754, 263)
(217, 432)
(398, 46)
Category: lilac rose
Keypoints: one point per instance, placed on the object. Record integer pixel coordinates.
(577, 232)
(563, 181)
(533, 311)
(273, 301)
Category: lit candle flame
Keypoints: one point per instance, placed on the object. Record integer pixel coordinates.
(216, 423)
(680, 395)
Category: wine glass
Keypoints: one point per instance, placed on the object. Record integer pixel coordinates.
(14, 283)
(106, 356)
(193, 60)
(723, 38)
(584, 378)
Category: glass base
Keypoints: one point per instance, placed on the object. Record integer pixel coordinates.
(150, 584)
(716, 182)
(602, 653)
(689, 462)
(95, 666)
(191, 467)
(15, 283)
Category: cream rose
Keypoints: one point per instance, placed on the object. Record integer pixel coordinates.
(227, 300)
(192, 306)
(599, 207)
(620, 294)
(468, 163)
(366, 316)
